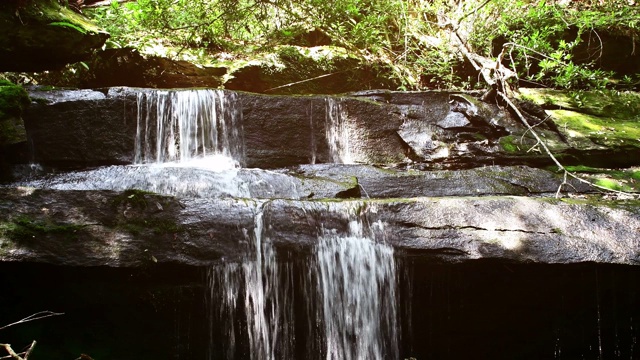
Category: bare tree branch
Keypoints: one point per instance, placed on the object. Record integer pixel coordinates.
(32, 317)
(496, 77)
(105, 3)
(16, 356)
(303, 81)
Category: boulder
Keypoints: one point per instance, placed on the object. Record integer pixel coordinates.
(322, 69)
(127, 67)
(44, 35)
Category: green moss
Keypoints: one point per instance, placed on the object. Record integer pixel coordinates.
(611, 184)
(604, 103)
(622, 180)
(25, 228)
(508, 144)
(52, 13)
(599, 130)
(580, 168)
(13, 99)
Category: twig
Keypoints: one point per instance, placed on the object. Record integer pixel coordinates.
(499, 83)
(473, 11)
(32, 317)
(16, 356)
(303, 81)
(105, 3)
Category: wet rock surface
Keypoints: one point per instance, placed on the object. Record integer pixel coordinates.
(430, 130)
(91, 228)
(438, 175)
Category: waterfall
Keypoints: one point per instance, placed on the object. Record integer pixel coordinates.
(183, 126)
(314, 146)
(251, 302)
(338, 132)
(345, 301)
(357, 291)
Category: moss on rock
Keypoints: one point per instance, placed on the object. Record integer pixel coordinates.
(13, 101)
(45, 35)
(25, 228)
(627, 180)
(600, 120)
(603, 131)
(293, 69)
(603, 103)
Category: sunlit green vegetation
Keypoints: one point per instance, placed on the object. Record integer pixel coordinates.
(414, 38)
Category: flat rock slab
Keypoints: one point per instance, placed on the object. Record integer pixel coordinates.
(93, 228)
(377, 182)
(321, 181)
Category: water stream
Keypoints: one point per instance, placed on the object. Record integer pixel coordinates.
(193, 127)
(338, 132)
(357, 288)
(344, 305)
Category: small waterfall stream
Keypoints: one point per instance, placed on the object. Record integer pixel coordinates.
(250, 302)
(186, 125)
(344, 306)
(188, 143)
(357, 288)
(338, 132)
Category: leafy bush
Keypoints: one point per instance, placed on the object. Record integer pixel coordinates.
(408, 36)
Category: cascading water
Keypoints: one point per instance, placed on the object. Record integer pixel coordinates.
(182, 126)
(338, 132)
(344, 296)
(253, 304)
(188, 143)
(357, 290)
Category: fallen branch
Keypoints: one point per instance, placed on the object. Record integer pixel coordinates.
(16, 356)
(32, 317)
(25, 355)
(302, 81)
(496, 77)
(105, 3)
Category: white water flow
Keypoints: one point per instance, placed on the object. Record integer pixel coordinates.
(338, 132)
(314, 146)
(357, 287)
(251, 303)
(188, 143)
(344, 295)
(192, 128)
